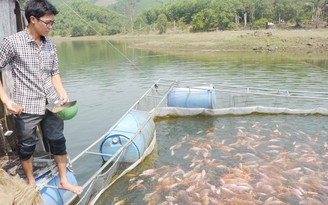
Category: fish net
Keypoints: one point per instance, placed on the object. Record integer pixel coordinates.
(14, 190)
(235, 100)
(100, 181)
(107, 173)
(116, 165)
(112, 171)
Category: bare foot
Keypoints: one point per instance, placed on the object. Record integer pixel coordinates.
(31, 184)
(71, 187)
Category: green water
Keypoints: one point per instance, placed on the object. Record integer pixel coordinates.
(289, 150)
(106, 83)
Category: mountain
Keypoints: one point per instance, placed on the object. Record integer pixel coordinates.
(140, 4)
(105, 3)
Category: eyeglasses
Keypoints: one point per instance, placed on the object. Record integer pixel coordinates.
(48, 24)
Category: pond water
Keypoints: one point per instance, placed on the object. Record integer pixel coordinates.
(106, 83)
(255, 159)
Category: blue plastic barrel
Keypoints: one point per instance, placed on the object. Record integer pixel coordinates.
(53, 196)
(198, 97)
(134, 123)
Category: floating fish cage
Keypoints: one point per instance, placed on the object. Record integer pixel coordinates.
(133, 137)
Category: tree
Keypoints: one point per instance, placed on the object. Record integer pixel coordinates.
(248, 9)
(77, 30)
(150, 16)
(264, 9)
(299, 14)
(318, 7)
(130, 10)
(204, 20)
(162, 23)
(281, 8)
(202, 15)
(85, 14)
(226, 13)
(198, 23)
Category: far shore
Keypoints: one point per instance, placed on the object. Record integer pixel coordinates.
(271, 40)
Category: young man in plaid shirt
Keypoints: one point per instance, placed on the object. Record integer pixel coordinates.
(34, 64)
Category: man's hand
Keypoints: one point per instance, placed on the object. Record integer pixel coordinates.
(64, 99)
(13, 108)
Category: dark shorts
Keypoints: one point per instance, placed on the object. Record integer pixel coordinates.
(52, 129)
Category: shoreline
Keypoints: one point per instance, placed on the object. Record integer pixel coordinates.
(243, 40)
(300, 43)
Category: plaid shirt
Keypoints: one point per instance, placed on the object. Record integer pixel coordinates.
(32, 69)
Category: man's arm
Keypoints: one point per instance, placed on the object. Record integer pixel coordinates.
(56, 80)
(6, 54)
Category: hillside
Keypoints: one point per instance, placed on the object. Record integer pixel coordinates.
(161, 16)
(140, 4)
(105, 3)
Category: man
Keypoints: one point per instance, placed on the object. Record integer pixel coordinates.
(33, 60)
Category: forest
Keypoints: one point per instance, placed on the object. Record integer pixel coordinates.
(85, 18)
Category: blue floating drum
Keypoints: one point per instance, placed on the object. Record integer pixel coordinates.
(136, 124)
(197, 97)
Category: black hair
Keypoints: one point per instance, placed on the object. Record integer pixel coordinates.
(39, 8)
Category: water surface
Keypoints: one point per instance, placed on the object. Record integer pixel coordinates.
(106, 83)
(255, 159)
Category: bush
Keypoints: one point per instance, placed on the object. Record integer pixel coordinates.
(261, 23)
(162, 23)
(77, 30)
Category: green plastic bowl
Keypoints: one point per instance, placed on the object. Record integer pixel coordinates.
(64, 111)
(67, 113)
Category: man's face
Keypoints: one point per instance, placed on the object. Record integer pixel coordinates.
(44, 24)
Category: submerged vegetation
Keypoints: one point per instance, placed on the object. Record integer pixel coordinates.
(84, 18)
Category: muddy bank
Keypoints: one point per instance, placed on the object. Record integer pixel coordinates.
(260, 40)
(297, 43)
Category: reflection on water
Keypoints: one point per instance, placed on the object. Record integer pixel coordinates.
(254, 159)
(320, 63)
(105, 84)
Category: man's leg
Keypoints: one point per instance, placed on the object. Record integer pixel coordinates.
(27, 139)
(28, 170)
(52, 128)
(61, 161)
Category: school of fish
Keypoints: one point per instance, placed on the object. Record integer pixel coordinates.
(257, 164)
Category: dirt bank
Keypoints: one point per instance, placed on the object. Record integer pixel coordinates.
(261, 40)
(275, 43)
